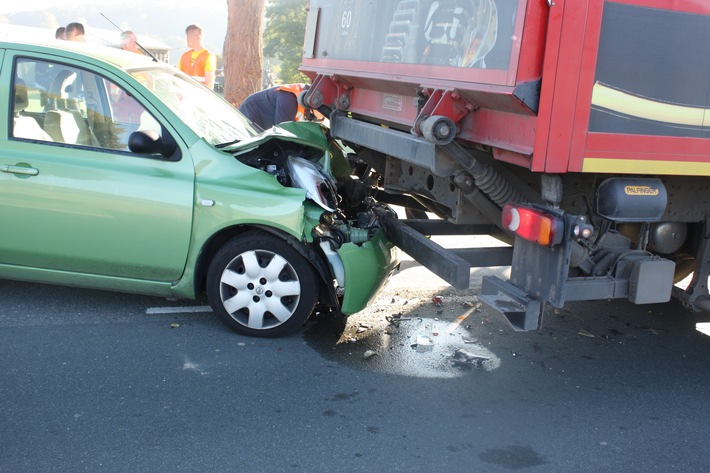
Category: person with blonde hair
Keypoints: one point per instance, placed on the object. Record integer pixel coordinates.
(198, 62)
(129, 42)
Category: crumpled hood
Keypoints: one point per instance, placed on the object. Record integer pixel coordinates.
(306, 133)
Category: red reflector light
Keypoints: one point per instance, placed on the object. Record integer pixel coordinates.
(531, 224)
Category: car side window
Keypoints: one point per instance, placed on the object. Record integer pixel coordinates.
(61, 104)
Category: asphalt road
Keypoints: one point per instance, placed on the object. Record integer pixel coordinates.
(100, 382)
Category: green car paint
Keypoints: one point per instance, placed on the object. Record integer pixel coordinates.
(377, 256)
(108, 226)
(97, 218)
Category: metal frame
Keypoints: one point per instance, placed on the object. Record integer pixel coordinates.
(452, 265)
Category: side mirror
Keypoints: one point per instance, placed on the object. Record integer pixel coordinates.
(150, 142)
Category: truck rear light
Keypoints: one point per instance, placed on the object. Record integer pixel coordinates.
(532, 224)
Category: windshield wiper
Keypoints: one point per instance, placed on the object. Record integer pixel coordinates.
(228, 143)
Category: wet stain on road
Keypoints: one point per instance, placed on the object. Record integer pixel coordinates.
(514, 457)
(427, 338)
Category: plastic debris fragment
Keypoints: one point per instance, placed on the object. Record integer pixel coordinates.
(423, 343)
(465, 355)
(584, 333)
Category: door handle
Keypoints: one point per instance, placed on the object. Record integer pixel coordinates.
(29, 171)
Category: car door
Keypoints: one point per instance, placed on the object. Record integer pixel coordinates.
(74, 198)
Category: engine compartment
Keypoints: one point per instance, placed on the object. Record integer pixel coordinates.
(349, 210)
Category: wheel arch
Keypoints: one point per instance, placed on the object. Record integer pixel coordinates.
(326, 292)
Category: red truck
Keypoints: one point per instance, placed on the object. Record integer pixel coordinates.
(576, 131)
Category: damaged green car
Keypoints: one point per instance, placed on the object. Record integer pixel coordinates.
(122, 173)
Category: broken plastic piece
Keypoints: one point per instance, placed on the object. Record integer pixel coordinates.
(584, 333)
(467, 356)
(423, 344)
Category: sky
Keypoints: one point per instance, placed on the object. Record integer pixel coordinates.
(39, 5)
(163, 20)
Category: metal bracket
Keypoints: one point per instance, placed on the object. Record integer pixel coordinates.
(446, 108)
(329, 91)
(522, 312)
(696, 295)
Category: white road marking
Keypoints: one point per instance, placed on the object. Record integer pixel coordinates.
(703, 327)
(177, 310)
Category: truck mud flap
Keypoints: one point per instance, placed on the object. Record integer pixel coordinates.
(522, 312)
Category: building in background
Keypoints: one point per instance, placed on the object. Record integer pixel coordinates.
(111, 38)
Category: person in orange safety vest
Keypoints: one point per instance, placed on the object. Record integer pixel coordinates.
(272, 106)
(198, 62)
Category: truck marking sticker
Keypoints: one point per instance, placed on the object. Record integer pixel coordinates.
(638, 93)
(475, 34)
(640, 190)
(392, 102)
(620, 101)
(645, 166)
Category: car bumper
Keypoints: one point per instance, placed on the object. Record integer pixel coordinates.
(367, 270)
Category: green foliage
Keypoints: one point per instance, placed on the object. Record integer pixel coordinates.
(283, 37)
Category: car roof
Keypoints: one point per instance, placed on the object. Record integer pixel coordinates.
(113, 56)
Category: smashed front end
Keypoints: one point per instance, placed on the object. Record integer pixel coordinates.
(341, 225)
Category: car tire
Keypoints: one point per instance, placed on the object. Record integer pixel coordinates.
(261, 286)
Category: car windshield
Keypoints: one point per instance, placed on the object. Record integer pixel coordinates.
(211, 117)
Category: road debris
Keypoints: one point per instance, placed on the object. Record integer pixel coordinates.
(395, 319)
(467, 359)
(369, 354)
(465, 355)
(455, 324)
(423, 343)
(363, 327)
(584, 333)
(655, 331)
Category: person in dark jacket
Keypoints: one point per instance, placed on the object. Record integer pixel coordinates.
(272, 106)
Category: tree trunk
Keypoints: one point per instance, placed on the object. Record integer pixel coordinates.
(243, 49)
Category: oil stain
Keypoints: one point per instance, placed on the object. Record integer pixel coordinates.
(515, 457)
(345, 396)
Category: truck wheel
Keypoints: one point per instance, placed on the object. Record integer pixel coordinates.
(261, 286)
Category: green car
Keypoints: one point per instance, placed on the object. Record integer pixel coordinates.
(122, 173)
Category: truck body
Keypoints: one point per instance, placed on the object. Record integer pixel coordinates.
(577, 132)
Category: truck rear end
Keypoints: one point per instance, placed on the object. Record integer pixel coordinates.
(577, 132)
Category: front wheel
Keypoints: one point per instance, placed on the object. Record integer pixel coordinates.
(261, 286)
